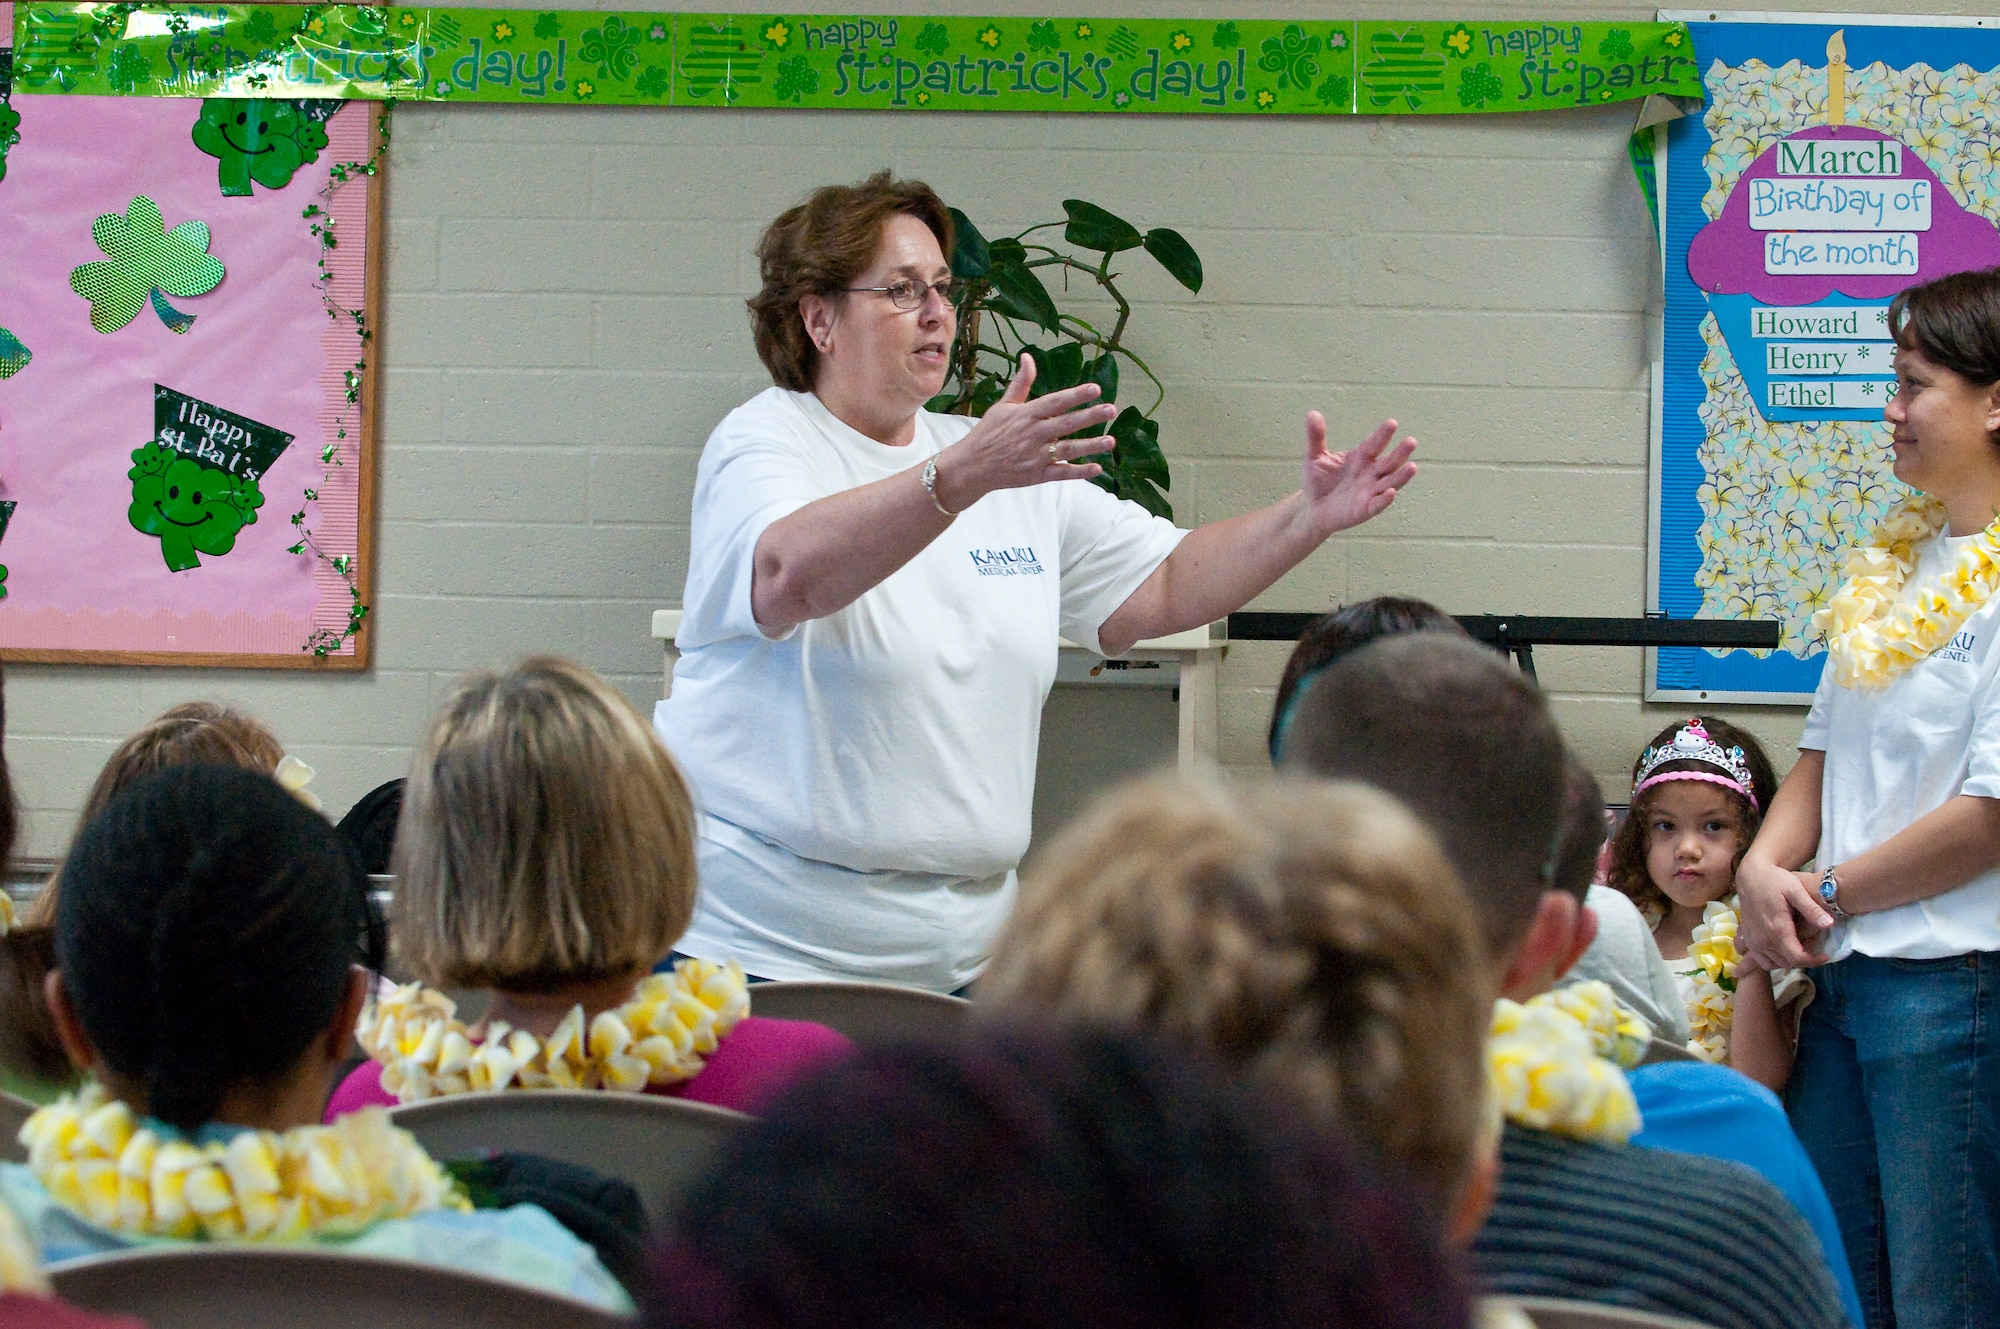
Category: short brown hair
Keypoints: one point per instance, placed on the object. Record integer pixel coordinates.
(1466, 741)
(1583, 828)
(1347, 628)
(1309, 933)
(819, 248)
(546, 838)
(1953, 321)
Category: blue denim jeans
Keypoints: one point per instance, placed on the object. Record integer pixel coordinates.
(1896, 1097)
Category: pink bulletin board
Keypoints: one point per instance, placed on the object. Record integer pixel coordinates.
(147, 410)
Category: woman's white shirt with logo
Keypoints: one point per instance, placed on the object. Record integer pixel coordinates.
(868, 777)
(1896, 753)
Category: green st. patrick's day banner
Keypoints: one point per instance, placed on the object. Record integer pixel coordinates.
(1179, 66)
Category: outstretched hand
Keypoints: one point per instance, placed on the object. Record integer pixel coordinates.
(1019, 442)
(1347, 488)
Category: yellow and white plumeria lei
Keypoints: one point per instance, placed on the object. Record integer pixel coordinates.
(1557, 1062)
(663, 1035)
(1870, 637)
(98, 1160)
(1712, 1004)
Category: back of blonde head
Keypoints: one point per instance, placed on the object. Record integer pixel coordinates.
(546, 836)
(1311, 934)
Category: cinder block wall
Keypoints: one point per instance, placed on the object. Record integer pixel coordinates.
(564, 326)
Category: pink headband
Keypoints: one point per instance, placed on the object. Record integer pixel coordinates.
(1692, 743)
(1703, 776)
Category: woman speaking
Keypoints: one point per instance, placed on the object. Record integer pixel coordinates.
(1896, 1087)
(874, 597)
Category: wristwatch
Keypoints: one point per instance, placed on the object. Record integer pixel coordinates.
(1829, 893)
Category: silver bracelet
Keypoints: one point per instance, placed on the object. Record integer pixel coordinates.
(929, 481)
(1829, 894)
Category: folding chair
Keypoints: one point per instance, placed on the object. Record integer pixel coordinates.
(865, 1012)
(660, 1146)
(247, 1287)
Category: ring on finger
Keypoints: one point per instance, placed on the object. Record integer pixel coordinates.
(1054, 460)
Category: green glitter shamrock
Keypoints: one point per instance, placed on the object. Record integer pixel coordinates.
(143, 259)
(652, 83)
(547, 26)
(130, 67)
(14, 356)
(934, 39)
(1617, 44)
(1044, 37)
(259, 140)
(192, 508)
(1225, 38)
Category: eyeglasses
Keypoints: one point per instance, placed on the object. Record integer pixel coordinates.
(910, 293)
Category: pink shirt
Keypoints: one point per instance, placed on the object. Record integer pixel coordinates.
(750, 1066)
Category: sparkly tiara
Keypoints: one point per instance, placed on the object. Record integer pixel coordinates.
(1692, 743)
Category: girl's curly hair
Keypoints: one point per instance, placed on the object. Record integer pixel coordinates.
(1627, 872)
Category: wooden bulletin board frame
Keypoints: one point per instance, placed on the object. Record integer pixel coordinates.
(321, 355)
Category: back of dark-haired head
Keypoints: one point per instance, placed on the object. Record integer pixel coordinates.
(819, 248)
(204, 934)
(1627, 872)
(1468, 744)
(1333, 635)
(1954, 322)
(1033, 1181)
(369, 828)
(1582, 828)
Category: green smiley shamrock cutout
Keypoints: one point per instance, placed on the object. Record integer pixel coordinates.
(259, 140)
(195, 484)
(144, 261)
(192, 508)
(14, 356)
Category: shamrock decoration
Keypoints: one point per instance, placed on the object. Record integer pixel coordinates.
(796, 79)
(144, 260)
(264, 141)
(933, 39)
(1617, 44)
(547, 26)
(1333, 92)
(130, 67)
(10, 133)
(652, 83)
(612, 47)
(14, 356)
(1477, 86)
(192, 508)
(1043, 36)
(1290, 57)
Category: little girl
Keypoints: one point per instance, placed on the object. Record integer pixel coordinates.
(1699, 791)
(203, 984)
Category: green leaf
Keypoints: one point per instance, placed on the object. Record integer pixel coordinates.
(1057, 368)
(1103, 371)
(1176, 255)
(1149, 498)
(941, 403)
(1138, 451)
(1091, 227)
(969, 256)
(1018, 292)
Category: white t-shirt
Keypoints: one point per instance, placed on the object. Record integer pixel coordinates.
(868, 776)
(1896, 753)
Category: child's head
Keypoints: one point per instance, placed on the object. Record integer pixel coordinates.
(547, 839)
(1330, 636)
(204, 942)
(1699, 793)
(1311, 935)
(195, 733)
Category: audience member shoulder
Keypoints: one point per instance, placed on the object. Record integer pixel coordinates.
(1671, 1233)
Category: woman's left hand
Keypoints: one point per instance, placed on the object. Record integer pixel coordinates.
(1344, 489)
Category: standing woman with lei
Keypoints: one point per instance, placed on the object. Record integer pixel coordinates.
(1896, 1088)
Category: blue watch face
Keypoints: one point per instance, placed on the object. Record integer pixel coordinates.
(1827, 890)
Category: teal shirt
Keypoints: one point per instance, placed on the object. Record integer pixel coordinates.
(518, 1245)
